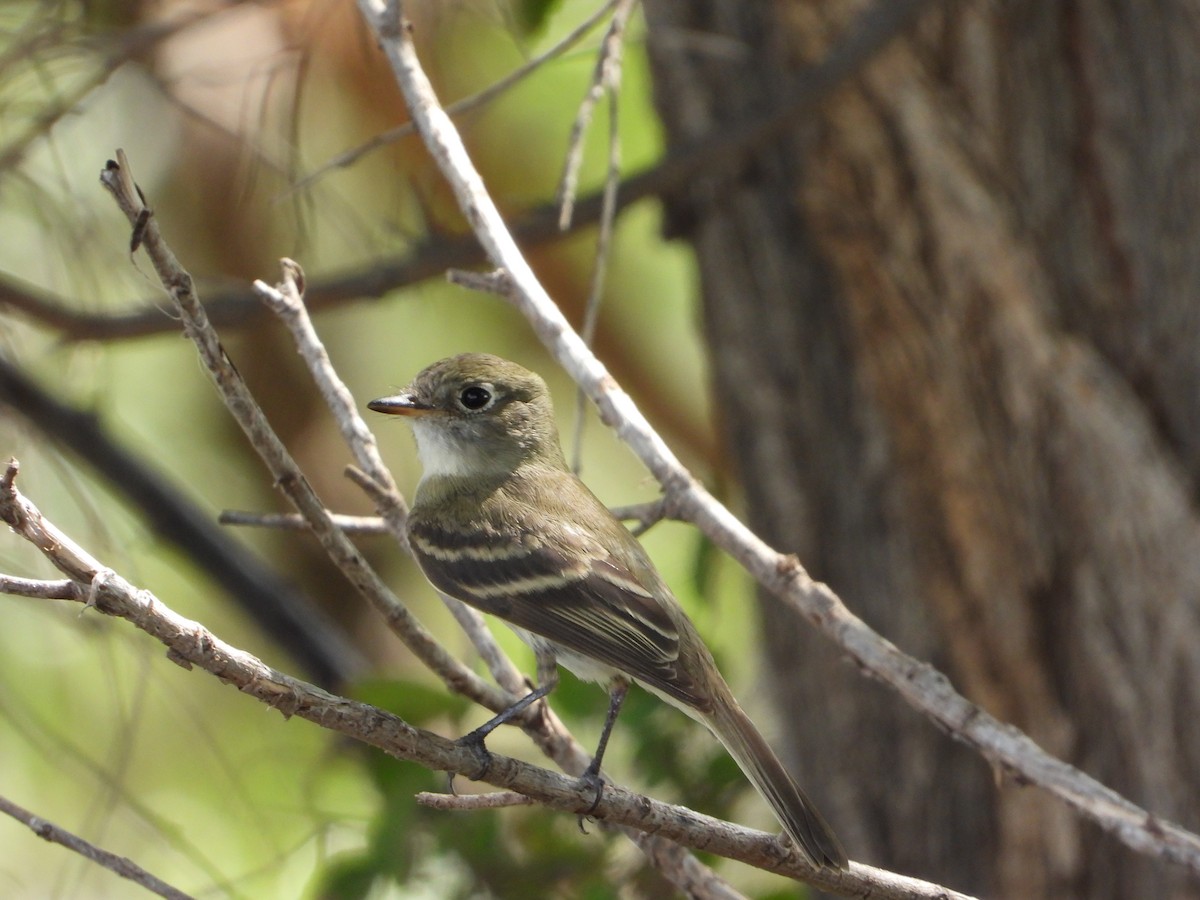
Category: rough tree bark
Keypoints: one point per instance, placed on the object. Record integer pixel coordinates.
(954, 341)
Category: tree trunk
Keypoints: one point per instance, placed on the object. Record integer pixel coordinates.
(955, 350)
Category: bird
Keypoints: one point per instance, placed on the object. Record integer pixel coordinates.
(500, 522)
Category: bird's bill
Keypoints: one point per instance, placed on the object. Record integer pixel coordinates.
(400, 405)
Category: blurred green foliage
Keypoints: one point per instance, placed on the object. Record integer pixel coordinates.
(532, 16)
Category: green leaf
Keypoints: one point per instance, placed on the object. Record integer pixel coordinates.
(531, 16)
(704, 566)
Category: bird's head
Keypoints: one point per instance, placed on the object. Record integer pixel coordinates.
(477, 414)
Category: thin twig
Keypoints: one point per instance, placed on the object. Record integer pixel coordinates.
(691, 877)
(466, 104)
(63, 589)
(287, 301)
(490, 800)
(118, 179)
(645, 514)
(296, 522)
(608, 216)
(606, 76)
(496, 282)
(191, 645)
(927, 690)
(121, 865)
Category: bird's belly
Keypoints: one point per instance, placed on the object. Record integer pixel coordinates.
(582, 667)
(587, 669)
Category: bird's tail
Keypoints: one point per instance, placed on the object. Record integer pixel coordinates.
(807, 828)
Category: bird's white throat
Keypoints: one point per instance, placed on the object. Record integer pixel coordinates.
(442, 453)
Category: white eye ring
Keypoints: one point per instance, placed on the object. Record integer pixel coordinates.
(476, 397)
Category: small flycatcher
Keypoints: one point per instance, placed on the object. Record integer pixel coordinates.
(501, 523)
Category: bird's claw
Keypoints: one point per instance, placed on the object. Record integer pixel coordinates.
(590, 780)
(475, 741)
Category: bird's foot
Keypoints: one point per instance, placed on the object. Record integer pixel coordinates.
(592, 780)
(475, 742)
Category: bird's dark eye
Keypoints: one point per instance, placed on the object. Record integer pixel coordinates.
(475, 397)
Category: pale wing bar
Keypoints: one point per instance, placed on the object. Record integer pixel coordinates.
(596, 608)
